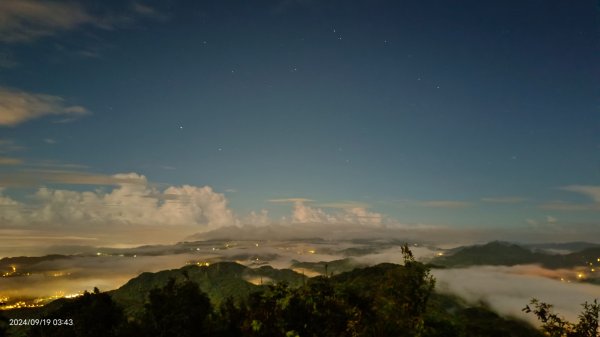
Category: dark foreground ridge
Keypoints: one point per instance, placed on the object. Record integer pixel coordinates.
(225, 299)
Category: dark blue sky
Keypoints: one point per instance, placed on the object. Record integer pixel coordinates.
(435, 112)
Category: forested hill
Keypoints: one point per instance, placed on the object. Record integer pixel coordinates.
(224, 300)
(509, 254)
(219, 281)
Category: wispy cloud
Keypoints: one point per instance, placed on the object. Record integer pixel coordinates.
(17, 107)
(9, 145)
(26, 20)
(149, 12)
(450, 204)
(344, 205)
(290, 200)
(38, 177)
(569, 206)
(444, 204)
(10, 161)
(588, 190)
(504, 200)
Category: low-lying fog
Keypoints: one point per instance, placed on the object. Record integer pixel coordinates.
(505, 289)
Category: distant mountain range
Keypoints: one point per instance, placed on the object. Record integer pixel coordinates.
(498, 253)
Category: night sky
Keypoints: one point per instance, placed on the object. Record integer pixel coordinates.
(460, 114)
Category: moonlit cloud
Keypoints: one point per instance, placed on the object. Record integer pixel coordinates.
(569, 206)
(9, 145)
(260, 218)
(290, 200)
(592, 192)
(445, 204)
(17, 107)
(344, 205)
(149, 12)
(10, 161)
(508, 289)
(347, 212)
(504, 200)
(55, 174)
(132, 202)
(26, 20)
(302, 213)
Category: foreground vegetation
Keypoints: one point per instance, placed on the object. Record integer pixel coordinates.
(383, 300)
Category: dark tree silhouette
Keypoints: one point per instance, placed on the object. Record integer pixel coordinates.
(556, 326)
(177, 309)
(3, 325)
(93, 315)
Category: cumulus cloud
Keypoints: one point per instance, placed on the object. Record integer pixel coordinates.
(17, 107)
(258, 218)
(133, 201)
(302, 213)
(347, 213)
(10, 210)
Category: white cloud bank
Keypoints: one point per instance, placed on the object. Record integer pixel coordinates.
(349, 214)
(133, 201)
(508, 289)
